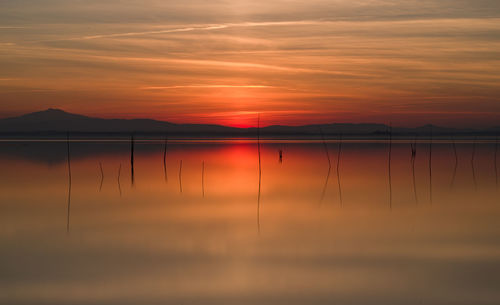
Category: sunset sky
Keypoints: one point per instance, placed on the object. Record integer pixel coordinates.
(409, 62)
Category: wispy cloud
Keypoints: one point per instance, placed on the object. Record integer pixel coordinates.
(206, 86)
(166, 31)
(207, 27)
(310, 22)
(230, 64)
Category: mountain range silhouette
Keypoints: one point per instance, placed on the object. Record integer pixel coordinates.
(59, 121)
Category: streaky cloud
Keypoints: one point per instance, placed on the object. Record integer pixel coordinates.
(208, 27)
(206, 86)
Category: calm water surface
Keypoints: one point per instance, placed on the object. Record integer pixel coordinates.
(200, 233)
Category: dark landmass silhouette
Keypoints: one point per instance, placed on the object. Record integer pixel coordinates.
(56, 121)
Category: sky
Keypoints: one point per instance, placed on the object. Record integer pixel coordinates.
(408, 63)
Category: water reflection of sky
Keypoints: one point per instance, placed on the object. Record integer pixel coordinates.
(152, 244)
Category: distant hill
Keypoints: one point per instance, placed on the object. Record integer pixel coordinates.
(59, 121)
(56, 121)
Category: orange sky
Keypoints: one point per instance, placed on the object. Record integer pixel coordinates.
(295, 62)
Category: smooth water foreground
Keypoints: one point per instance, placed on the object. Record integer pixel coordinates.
(202, 234)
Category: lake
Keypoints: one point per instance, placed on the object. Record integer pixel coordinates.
(193, 222)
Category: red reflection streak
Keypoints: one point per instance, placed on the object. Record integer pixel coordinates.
(232, 170)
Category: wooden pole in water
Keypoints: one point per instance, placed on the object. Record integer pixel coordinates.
(180, 176)
(329, 165)
(118, 179)
(260, 173)
(339, 154)
(454, 149)
(203, 179)
(258, 146)
(165, 158)
(325, 147)
(472, 162)
(102, 176)
(413, 158)
(132, 178)
(456, 162)
(496, 165)
(430, 166)
(389, 165)
(69, 182)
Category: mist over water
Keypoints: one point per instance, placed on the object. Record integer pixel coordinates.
(187, 225)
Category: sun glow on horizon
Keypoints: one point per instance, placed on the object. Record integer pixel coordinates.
(299, 63)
